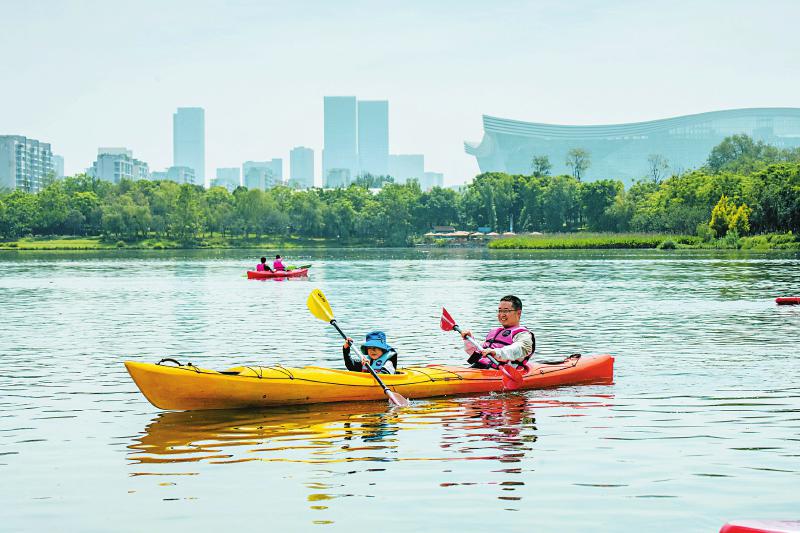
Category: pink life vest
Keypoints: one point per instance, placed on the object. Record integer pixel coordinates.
(500, 337)
(278, 265)
(260, 267)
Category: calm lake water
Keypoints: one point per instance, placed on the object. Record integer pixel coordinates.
(701, 426)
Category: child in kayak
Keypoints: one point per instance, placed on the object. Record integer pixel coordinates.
(263, 266)
(278, 263)
(382, 357)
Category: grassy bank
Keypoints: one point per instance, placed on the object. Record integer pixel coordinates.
(786, 241)
(591, 240)
(98, 243)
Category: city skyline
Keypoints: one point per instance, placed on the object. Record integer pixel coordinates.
(441, 67)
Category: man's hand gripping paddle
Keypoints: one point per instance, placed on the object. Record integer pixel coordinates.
(512, 379)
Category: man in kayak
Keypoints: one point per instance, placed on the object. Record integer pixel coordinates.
(263, 266)
(508, 343)
(383, 358)
(278, 263)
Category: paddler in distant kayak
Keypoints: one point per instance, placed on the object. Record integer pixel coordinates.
(383, 358)
(263, 266)
(278, 263)
(508, 343)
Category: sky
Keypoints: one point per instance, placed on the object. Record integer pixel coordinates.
(81, 75)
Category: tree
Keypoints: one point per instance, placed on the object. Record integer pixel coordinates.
(561, 207)
(371, 181)
(578, 160)
(186, 216)
(743, 155)
(596, 198)
(540, 166)
(721, 216)
(216, 204)
(657, 166)
(437, 207)
(740, 220)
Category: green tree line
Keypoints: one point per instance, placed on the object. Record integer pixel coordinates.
(745, 186)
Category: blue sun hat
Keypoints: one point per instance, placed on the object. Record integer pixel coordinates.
(375, 339)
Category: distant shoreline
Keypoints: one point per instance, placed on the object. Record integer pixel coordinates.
(554, 241)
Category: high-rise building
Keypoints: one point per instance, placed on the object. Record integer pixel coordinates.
(373, 137)
(177, 174)
(189, 141)
(117, 164)
(340, 137)
(276, 168)
(58, 166)
(430, 180)
(338, 177)
(301, 167)
(180, 174)
(262, 174)
(230, 178)
(404, 167)
(24, 163)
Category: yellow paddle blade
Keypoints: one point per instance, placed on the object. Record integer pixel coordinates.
(319, 306)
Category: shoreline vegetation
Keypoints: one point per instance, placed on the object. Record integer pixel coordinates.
(555, 241)
(746, 196)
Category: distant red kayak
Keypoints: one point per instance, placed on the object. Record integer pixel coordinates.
(761, 526)
(252, 274)
(788, 300)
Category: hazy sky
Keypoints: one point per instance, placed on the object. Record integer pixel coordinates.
(108, 73)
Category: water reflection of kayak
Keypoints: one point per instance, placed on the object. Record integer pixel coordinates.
(217, 435)
(305, 433)
(188, 387)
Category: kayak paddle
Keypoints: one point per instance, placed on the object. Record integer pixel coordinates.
(512, 379)
(320, 307)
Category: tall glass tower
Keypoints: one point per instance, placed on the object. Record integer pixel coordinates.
(189, 141)
(340, 153)
(373, 137)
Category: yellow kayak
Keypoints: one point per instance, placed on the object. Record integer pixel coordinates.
(188, 387)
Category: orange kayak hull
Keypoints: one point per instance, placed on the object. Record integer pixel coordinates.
(185, 388)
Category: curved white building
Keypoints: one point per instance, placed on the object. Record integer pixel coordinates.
(621, 151)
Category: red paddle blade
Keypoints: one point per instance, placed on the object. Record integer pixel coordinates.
(397, 398)
(512, 379)
(447, 323)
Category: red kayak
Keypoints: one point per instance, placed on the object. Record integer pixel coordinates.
(788, 300)
(300, 272)
(761, 526)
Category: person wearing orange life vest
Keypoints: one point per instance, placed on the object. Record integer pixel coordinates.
(508, 343)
